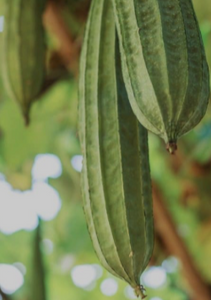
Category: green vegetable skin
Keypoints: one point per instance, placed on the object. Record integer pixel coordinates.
(164, 65)
(115, 178)
(23, 51)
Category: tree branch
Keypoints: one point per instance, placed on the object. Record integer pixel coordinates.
(175, 245)
(69, 48)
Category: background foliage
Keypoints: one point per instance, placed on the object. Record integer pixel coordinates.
(48, 253)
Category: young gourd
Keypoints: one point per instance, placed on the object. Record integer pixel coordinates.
(164, 65)
(23, 51)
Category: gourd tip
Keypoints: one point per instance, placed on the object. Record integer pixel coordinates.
(140, 291)
(26, 119)
(171, 147)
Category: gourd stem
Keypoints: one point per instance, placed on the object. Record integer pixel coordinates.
(140, 291)
(171, 147)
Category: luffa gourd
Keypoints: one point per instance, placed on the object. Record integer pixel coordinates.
(116, 181)
(164, 65)
(23, 51)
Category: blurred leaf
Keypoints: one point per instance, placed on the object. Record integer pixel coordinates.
(39, 273)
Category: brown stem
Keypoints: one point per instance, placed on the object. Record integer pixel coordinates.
(171, 147)
(175, 245)
(69, 49)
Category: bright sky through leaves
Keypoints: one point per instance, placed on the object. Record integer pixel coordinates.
(46, 165)
(46, 201)
(20, 210)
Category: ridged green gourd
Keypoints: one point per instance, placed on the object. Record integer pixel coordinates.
(116, 180)
(23, 51)
(164, 65)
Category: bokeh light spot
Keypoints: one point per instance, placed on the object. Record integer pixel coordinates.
(129, 292)
(20, 267)
(11, 279)
(83, 275)
(47, 246)
(46, 201)
(46, 165)
(1, 23)
(67, 263)
(16, 211)
(154, 277)
(170, 264)
(109, 287)
(99, 270)
(76, 162)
